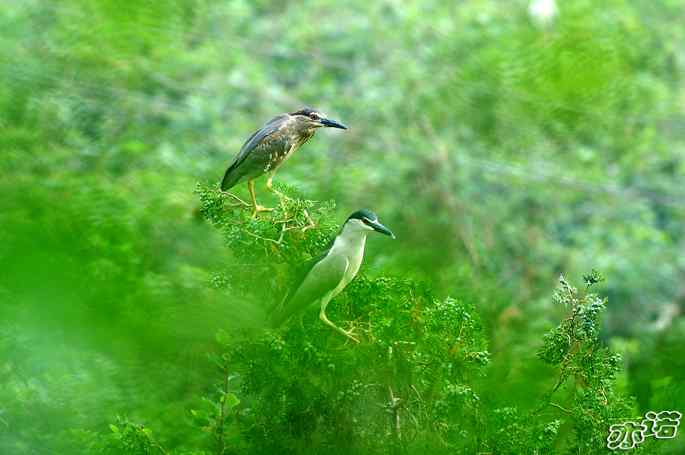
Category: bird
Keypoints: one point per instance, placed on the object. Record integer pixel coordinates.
(270, 146)
(324, 277)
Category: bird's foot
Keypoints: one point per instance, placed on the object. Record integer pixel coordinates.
(270, 187)
(258, 208)
(347, 333)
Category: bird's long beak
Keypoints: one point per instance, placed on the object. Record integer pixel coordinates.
(378, 227)
(332, 124)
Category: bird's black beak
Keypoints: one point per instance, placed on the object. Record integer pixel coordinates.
(378, 227)
(332, 124)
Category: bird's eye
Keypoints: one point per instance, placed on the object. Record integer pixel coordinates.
(314, 116)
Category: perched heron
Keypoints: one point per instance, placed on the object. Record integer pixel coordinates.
(326, 276)
(270, 146)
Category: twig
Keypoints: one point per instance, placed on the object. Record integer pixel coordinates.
(560, 407)
(394, 405)
(152, 441)
(310, 224)
(413, 387)
(277, 242)
(161, 449)
(220, 443)
(240, 201)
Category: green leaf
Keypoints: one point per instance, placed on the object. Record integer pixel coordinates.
(231, 400)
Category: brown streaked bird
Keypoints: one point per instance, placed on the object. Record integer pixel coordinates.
(270, 146)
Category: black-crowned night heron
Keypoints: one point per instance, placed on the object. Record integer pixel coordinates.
(327, 275)
(270, 146)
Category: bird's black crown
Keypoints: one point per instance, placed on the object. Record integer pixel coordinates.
(363, 214)
(306, 111)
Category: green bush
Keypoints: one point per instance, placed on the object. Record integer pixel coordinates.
(500, 151)
(411, 386)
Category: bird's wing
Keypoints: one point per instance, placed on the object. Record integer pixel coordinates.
(270, 127)
(324, 276)
(300, 274)
(306, 267)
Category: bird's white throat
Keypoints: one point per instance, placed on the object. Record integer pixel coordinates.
(350, 244)
(351, 241)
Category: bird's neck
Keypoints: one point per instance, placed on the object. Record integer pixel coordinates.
(304, 137)
(351, 240)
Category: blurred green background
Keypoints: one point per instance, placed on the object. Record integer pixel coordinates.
(502, 146)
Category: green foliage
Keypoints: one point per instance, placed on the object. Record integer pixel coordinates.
(270, 249)
(575, 348)
(129, 437)
(412, 385)
(500, 150)
(218, 414)
(284, 236)
(409, 385)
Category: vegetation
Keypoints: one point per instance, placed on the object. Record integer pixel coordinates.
(504, 151)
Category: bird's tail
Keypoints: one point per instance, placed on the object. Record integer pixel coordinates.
(277, 315)
(231, 177)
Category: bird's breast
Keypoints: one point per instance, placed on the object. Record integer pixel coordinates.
(282, 150)
(296, 142)
(355, 263)
(355, 255)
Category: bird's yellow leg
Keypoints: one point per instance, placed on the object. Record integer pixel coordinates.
(256, 208)
(325, 320)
